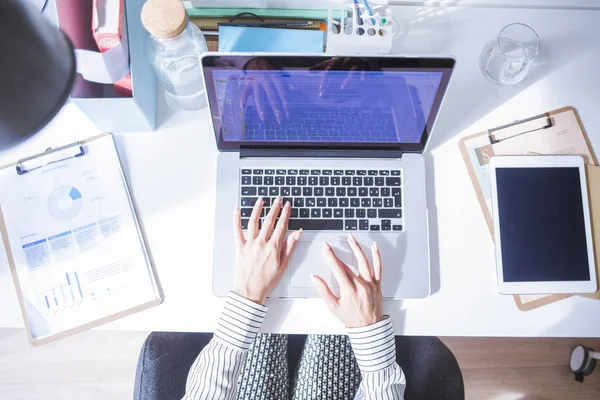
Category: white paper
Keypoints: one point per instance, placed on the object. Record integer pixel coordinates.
(107, 16)
(107, 67)
(74, 239)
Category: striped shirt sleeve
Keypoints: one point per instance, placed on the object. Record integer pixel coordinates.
(215, 372)
(374, 347)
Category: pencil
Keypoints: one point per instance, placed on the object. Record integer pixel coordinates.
(359, 20)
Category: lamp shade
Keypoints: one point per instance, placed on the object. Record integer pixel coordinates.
(37, 70)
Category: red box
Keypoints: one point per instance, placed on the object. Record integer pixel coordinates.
(107, 27)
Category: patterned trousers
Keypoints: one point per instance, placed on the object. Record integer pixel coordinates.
(326, 369)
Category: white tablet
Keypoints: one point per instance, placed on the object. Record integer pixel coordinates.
(542, 229)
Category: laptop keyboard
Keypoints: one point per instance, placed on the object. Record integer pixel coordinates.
(328, 199)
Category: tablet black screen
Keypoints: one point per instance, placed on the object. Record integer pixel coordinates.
(542, 225)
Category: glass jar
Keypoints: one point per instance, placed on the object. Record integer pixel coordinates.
(177, 64)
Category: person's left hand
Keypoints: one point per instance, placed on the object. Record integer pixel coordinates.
(262, 257)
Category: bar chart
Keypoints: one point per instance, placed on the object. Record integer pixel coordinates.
(66, 293)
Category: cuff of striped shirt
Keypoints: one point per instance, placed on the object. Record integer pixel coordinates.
(374, 345)
(239, 323)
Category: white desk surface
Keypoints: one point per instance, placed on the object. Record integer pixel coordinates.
(172, 176)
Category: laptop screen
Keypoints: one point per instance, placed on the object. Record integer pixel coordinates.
(324, 102)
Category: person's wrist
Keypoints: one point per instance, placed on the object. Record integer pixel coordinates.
(250, 295)
(365, 322)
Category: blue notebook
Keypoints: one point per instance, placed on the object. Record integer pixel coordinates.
(237, 38)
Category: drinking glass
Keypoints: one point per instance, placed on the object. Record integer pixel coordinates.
(507, 59)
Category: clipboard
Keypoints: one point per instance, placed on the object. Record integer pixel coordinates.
(52, 158)
(556, 132)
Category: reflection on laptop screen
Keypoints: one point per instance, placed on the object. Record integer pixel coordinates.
(356, 104)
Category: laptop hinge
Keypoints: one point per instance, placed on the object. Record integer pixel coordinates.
(320, 153)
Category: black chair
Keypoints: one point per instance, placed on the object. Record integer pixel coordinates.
(432, 372)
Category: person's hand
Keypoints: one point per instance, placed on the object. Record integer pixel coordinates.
(354, 65)
(269, 91)
(360, 302)
(263, 256)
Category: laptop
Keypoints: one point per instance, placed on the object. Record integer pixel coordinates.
(342, 138)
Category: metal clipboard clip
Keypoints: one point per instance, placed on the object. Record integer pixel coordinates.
(50, 156)
(545, 123)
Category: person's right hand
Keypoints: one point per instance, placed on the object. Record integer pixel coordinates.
(360, 302)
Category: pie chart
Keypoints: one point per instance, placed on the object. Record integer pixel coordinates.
(65, 202)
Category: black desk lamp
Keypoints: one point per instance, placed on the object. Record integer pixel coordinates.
(37, 70)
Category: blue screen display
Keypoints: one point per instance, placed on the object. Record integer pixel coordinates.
(321, 105)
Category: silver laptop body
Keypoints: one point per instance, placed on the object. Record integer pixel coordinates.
(385, 200)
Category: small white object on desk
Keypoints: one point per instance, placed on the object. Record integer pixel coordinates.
(360, 32)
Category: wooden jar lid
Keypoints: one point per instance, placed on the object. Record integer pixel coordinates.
(164, 19)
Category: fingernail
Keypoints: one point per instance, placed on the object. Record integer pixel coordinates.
(261, 115)
(278, 199)
(288, 204)
(326, 246)
(236, 211)
(313, 279)
(297, 235)
(375, 246)
(351, 238)
(278, 118)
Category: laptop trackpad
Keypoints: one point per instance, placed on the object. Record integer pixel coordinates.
(308, 258)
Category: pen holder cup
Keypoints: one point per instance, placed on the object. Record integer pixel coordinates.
(354, 30)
